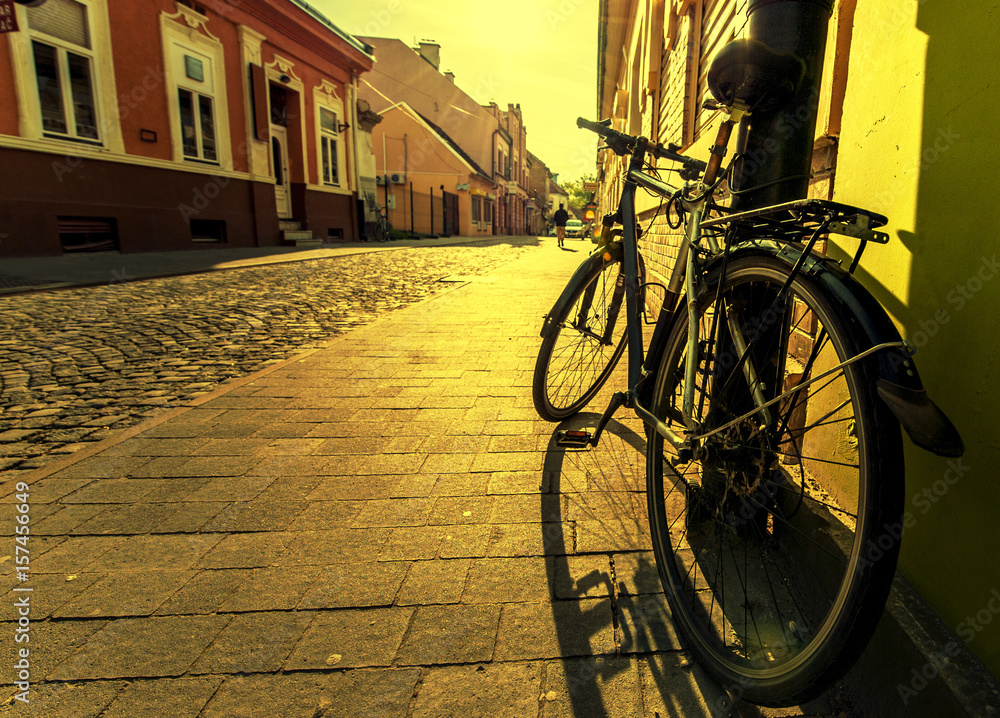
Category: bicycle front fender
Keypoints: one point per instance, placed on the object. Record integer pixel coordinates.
(600, 256)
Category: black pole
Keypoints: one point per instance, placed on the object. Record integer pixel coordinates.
(777, 144)
(431, 191)
(444, 213)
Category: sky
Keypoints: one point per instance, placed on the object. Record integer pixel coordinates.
(539, 53)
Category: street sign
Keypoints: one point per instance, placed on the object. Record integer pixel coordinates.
(8, 19)
(590, 186)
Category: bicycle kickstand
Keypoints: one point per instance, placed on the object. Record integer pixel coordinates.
(581, 438)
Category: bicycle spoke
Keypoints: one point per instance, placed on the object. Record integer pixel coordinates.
(583, 349)
(771, 525)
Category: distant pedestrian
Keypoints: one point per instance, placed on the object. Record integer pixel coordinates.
(561, 217)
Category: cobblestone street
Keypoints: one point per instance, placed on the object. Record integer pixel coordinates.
(76, 364)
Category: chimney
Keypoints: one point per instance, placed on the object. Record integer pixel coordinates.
(430, 51)
(450, 75)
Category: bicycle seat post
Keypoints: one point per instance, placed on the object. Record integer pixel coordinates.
(737, 111)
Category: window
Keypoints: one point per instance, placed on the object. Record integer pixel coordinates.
(196, 107)
(195, 86)
(329, 141)
(63, 59)
(197, 125)
(476, 204)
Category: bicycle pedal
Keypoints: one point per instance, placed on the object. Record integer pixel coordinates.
(573, 438)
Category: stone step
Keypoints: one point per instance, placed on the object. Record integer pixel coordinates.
(289, 225)
(301, 238)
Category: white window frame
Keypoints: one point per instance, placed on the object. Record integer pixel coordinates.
(186, 32)
(326, 136)
(326, 97)
(102, 77)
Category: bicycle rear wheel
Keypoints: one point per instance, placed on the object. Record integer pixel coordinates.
(375, 231)
(589, 338)
(776, 543)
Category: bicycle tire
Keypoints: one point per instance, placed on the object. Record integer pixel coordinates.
(575, 361)
(806, 523)
(375, 231)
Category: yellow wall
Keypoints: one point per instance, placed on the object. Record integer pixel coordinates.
(917, 144)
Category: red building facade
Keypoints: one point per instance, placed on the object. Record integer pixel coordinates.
(168, 125)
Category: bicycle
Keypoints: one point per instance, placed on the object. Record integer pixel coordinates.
(772, 390)
(381, 229)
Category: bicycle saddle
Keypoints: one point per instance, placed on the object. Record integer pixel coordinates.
(750, 71)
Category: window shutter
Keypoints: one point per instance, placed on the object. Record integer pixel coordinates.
(64, 19)
(258, 94)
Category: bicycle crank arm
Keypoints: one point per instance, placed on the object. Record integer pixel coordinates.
(581, 438)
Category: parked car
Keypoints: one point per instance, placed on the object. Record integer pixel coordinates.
(574, 228)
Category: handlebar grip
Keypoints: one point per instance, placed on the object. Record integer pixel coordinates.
(619, 142)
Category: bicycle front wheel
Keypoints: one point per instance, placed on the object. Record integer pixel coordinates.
(774, 539)
(589, 337)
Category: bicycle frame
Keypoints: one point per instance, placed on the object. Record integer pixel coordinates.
(683, 274)
(683, 277)
(798, 224)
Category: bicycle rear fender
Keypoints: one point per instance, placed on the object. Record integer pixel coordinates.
(608, 253)
(899, 384)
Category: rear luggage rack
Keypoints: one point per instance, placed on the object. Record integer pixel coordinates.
(796, 221)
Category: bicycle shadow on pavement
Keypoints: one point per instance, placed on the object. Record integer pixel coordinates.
(597, 546)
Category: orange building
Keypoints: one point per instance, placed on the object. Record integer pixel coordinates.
(166, 125)
(494, 139)
(430, 184)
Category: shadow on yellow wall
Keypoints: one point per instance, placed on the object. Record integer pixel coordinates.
(951, 313)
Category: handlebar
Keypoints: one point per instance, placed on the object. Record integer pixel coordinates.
(622, 144)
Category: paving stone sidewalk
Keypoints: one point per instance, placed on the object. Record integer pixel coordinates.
(379, 528)
(78, 364)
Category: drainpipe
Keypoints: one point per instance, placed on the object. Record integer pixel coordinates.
(385, 176)
(777, 144)
(354, 155)
(493, 174)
